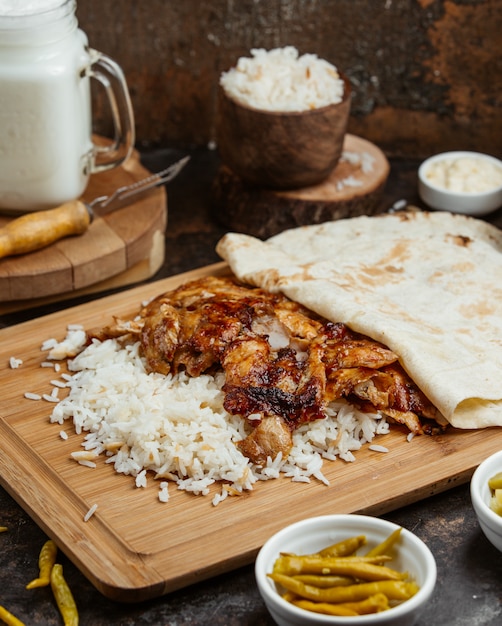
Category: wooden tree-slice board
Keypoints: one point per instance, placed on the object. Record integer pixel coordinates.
(353, 188)
(118, 248)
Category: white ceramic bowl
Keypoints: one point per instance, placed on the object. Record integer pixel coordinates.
(468, 203)
(313, 534)
(490, 522)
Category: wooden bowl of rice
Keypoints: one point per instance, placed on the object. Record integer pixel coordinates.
(297, 140)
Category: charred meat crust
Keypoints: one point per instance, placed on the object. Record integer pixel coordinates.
(280, 360)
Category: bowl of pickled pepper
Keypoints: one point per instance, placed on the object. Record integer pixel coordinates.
(486, 497)
(345, 569)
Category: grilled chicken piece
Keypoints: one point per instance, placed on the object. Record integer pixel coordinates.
(350, 359)
(270, 437)
(204, 326)
(159, 336)
(282, 363)
(261, 381)
(344, 348)
(392, 392)
(123, 330)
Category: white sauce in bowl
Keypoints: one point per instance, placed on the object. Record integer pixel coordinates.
(464, 174)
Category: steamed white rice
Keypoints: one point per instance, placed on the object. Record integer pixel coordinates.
(281, 80)
(174, 428)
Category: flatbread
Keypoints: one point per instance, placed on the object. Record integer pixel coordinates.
(426, 284)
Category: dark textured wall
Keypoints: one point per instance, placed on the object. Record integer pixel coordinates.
(426, 74)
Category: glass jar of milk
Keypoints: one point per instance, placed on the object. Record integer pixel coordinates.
(46, 147)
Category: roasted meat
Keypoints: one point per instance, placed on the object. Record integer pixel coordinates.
(271, 436)
(282, 363)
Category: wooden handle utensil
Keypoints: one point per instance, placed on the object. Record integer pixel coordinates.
(39, 229)
(33, 231)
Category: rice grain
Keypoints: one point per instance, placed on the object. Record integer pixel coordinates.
(90, 512)
(281, 80)
(176, 427)
(32, 396)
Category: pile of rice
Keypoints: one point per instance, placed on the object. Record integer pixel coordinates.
(281, 80)
(175, 429)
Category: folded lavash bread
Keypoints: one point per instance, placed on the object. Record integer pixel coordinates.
(426, 284)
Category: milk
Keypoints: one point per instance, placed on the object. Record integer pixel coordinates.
(45, 122)
(46, 151)
(27, 7)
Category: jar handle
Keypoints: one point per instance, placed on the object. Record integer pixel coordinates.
(110, 75)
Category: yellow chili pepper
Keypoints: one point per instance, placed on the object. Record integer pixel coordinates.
(495, 485)
(373, 604)
(358, 567)
(300, 563)
(393, 589)
(3, 529)
(325, 608)
(345, 584)
(325, 581)
(290, 597)
(46, 560)
(386, 545)
(495, 482)
(8, 618)
(345, 547)
(64, 597)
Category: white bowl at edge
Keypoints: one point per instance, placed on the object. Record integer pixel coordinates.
(313, 534)
(467, 203)
(490, 522)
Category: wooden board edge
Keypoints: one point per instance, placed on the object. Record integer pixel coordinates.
(141, 271)
(143, 291)
(137, 581)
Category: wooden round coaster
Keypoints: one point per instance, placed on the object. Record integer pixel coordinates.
(353, 188)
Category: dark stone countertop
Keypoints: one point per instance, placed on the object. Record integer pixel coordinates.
(469, 587)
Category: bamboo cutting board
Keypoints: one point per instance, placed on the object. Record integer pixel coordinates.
(135, 547)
